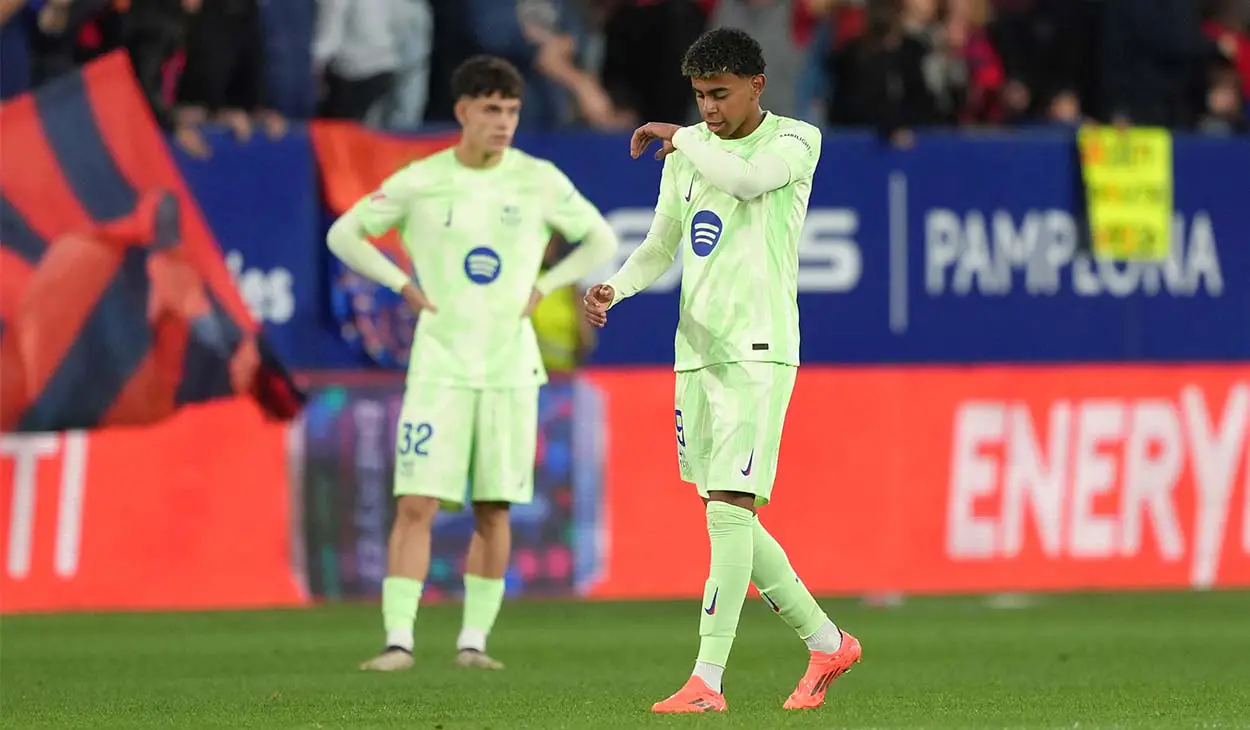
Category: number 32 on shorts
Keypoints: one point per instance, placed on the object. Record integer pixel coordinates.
(412, 438)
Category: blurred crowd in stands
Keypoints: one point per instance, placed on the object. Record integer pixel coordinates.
(890, 65)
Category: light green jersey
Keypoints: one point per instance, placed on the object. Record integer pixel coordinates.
(476, 238)
(740, 266)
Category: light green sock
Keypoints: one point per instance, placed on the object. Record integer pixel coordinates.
(400, 597)
(780, 586)
(483, 597)
(729, 528)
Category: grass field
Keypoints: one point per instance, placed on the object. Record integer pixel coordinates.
(1121, 661)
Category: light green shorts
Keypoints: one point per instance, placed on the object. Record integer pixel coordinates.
(729, 419)
(458, 442)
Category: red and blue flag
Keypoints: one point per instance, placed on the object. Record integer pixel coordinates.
(116, 306)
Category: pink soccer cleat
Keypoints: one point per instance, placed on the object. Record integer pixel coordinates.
(694, 696)
(822, 669)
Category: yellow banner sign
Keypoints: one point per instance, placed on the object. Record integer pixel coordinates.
(1128, 191)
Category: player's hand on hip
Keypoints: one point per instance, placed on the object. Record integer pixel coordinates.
(650, 132)
(416, 299)
(535, 297)
(598, 299)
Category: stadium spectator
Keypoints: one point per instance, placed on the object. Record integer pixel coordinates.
(879, 77)
(224, 77)
(815, 26)
(404, 107)
(453, 43)
(1225, 111)
(1049, 51)
(1153, 52)
(289, 27)
(103, 33)
(771, 22)
(16, 17)
(1226, 25)
(535, 35)
(55, 48)
(155, 37)
(643, 45)
(1157, 62)
(974, 62)
(1064, 108)
(356, 55)
(944, 65)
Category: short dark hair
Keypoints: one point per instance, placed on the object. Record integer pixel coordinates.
(723, 51)
(484, 75)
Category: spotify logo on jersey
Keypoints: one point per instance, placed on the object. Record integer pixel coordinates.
(482, 265)
(705, 230)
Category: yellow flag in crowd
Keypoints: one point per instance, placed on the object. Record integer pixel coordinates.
(1128, 191)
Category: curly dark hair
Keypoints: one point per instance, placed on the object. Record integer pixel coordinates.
(723, 51)
(484, 75)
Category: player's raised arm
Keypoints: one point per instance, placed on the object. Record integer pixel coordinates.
(790, 156)
(373, 215)
(577, 219)
(726, 71)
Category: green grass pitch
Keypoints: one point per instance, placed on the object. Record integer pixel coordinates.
(1089, 661)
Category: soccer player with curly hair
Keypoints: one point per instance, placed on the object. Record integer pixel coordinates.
(733, 198)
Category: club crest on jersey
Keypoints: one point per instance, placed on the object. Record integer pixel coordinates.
(705, 230)
(482, 265)
(511, 215)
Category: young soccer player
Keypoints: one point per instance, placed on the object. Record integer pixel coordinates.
(475, 220)
(733, 196)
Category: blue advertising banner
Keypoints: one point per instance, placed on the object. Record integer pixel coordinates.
(262, 200)
(962, 249)
(966, 250)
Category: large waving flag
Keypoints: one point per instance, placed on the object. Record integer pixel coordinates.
(115, 304)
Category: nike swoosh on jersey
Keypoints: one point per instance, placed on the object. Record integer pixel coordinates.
(690, 190)
(711, 609)
(747, 471)
(447, 223)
